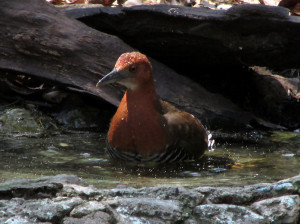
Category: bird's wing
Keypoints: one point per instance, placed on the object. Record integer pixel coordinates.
(167, 107)
(184, 130)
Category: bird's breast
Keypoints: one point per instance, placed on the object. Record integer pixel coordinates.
(141, 131)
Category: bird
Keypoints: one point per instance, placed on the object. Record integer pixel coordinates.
(145, 128)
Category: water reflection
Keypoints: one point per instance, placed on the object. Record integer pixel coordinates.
(202, 167)
(83, 154)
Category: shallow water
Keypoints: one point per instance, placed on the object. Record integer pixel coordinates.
(83, 154)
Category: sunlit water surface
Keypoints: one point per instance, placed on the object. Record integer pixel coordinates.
(83, 154)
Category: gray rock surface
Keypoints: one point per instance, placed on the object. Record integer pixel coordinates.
(68, 199)
(226, 214)
(21, 121)
(284, 209)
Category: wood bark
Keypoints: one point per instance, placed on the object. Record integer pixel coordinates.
(37, 39)
(190, 38)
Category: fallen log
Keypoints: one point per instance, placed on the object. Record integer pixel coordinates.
(39, 40)
(188, 38)
(216, 49)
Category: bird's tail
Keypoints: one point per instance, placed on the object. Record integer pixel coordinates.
(211, 141)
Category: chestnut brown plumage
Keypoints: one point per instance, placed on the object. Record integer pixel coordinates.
(145, 128)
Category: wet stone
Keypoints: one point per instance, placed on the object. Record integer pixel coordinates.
(194, 221)
(226, 214)
(11, 211)
(21, 121)
(188, 198)
(236, 195)
(283, 209)
(44, 187)
(147, 210)
(63, 179)
(247, 194)
(87, 208)
(93, 218)
(75, 202)
(21, 220)
(48, 210)
(81, 118)
(34, 211)
(28, 190)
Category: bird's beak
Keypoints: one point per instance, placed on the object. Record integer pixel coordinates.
(112, 77)
(121, 76)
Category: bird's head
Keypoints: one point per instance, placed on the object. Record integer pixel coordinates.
(133, 70)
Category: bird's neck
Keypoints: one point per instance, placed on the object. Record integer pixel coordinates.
(143, 98)
(138, 125)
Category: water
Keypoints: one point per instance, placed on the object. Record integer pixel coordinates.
(83, 154)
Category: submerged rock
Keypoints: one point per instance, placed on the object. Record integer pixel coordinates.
(68, 199)
(83, 117)
(22, 121)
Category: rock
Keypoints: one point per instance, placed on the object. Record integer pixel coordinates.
(75, 202)
(188, 198)
(44, 187)
(147, 210)
(20, 121)
(35, 200)
(226, 214)
(283, 209)
(94, 218)
(87, 208)
(26, 189)
(237, 195)
(51, 210)
(22, 220)
(248, 194)
(64, 179)
(79, 118)
(46, 210)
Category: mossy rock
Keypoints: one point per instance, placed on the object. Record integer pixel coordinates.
(87, 118)
(20, 121)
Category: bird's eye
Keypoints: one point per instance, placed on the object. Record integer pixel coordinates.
(132, 69)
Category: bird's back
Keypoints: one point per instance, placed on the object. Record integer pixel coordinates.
(184, 131)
